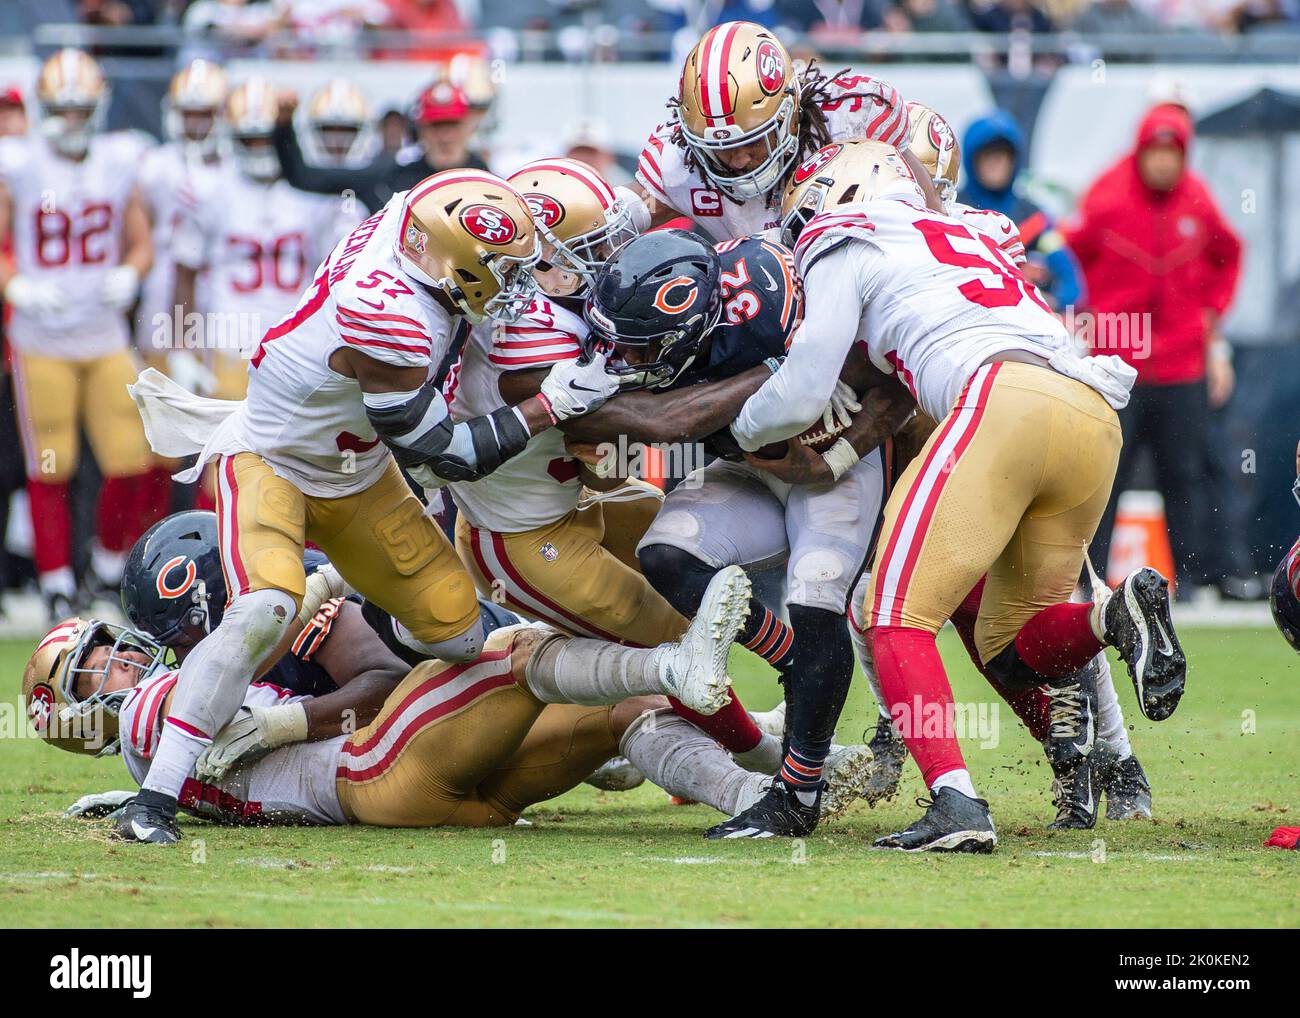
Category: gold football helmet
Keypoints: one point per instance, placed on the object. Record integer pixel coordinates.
(472, 74)
(841, 174)
(469, 235)
(193, 104)
(73, 99)
(339, 129)
(580, 219)
(934, 143)
(251, 111)
(739, 89)
(78, 715)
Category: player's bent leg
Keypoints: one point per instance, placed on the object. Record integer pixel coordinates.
(628, 511)
(390, 552)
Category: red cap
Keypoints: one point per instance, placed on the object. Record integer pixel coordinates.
(439, 103)
(11, 95)
(1165, 124)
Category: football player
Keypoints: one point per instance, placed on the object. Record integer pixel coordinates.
(470, 744)
(339, 129)
(1011, 485)
(80, 233)
(527, 532)
(339, 394)
(251, 237)
(1284, 594)
(743, 119)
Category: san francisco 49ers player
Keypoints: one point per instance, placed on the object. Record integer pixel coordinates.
(339, 394)
(69, 200)
(532, 531)
(470, 744)
(1011, 485)
(742, 120)
(251, 237)
(339, 126)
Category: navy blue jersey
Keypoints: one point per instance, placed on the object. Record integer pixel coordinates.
(297, 669)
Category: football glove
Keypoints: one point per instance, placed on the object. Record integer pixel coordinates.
(119, 287)
(839, 412)
(323, 585)
(187, 371)
(98, 805)
(573, 388)
(253, 733)
(34, 296)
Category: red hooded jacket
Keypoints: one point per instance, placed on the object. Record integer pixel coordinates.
(1170, 254)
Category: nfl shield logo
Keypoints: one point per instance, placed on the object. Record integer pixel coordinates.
(549, 552)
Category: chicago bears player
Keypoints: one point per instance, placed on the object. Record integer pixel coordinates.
(469, 744)
(1027, 445)
(251, 237)
(70, 204)
(742, 120)
(336, 390)
(527, 531)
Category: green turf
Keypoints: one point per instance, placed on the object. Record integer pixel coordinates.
(596, 858)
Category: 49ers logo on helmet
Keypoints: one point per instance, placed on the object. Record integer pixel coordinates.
(41, 707)
(489, 224)
(940, 134)
(771, 67)
(170, 590)
(815, 162)
(545, 209)
(670, 306)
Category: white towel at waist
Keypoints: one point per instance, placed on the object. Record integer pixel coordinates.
(179, 423)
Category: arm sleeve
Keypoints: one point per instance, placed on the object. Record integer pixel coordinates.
(189, 239)
(524, 347)
(796, 395)
(390, 337)
(649, 165)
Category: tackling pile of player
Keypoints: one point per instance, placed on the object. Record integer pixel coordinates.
(896, 416)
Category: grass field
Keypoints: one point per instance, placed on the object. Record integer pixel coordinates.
(594, 858)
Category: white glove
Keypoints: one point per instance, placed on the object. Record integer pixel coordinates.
(119, 287)
(573, 389)
(98, 804)
(34, 296)
(423, 475)
(187, 371)
(253, 733)
(323, 585)
(839, 412)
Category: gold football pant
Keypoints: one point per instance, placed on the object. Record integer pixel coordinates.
(56, 397)
(1012, 484)
(379, 540)
(578, 574)
(466, 745)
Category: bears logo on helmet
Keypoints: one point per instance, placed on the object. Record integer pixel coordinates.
(545, 209)
(770, 64)
(165, 587)
(676, 307)
(488, 224)
(815, 162)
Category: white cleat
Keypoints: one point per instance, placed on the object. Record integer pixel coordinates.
(694, 669)
(618, 774)
(771, 722)
(846, 773)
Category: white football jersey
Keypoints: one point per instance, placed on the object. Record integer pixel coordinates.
(860, 107)
(540, 485)
(304, 419)
(67, 228)
(293, 784)
(936, 297)
(257, 244)
(997, 225)
(166, 168)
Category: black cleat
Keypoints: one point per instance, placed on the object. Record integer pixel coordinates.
(890, 752)
(1069, 746)
(150, 818)
(1128, 793)
(1138, 624)
(952, 823)
(779, 812)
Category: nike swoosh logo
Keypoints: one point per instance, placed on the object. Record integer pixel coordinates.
(377, 307)
(1168, 648)
(771, 282)
(1088, 806)
(1086, 744)
(581, 388)
(142, 833)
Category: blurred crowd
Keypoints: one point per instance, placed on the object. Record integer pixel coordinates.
(613, 23)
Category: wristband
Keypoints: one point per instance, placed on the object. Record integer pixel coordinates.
(840, 457)
(282, 724)
(546, 405)
(773, 364)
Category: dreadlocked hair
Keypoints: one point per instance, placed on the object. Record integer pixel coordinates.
(814, 129)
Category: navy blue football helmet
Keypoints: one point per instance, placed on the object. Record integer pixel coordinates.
(1284, 596)
(661, 292)
(173, 588)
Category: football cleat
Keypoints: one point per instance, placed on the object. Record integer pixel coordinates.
(847, 770)
(1069, 745)
(952, 823)
(1137, 623)
(1128, 793)
(616, 775)
(890, 752)
(150, 819)
(695, 667)
(1076, 794)
(781, 812)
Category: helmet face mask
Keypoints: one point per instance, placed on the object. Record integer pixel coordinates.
(192, 108)
(780, 138)
(73, 99)
(934, 143)
(251, 112)
(582, 256)
(338, 128)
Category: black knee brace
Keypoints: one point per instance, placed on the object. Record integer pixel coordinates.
(678, 575)
(1009, 668)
